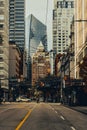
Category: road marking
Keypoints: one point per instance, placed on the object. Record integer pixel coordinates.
(52, 108)
(73, 128)
(24, 119)
(56, 111)
(22, 122)
(62, 117)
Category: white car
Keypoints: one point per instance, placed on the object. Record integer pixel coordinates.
(23, 99)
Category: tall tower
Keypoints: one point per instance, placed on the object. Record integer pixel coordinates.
(17, 22)
(37, 32)
(62, 16)
(4, 47)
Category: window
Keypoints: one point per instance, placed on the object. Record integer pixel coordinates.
(59, 4)
(66, 4)
(1, 26)
(1, 11)
(1, 59)
(1, 3)
(59, 44)
(72, 4)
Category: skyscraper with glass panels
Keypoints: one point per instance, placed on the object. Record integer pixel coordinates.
(17, 22)
(37, 32)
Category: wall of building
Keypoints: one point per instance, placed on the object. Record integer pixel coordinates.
(17, 22)
(80, 33)
(40, 64)
(14, 61)
(62, 17)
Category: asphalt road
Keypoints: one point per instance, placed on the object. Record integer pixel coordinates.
(40, 116)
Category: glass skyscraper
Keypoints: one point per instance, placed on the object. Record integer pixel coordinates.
(37, 32)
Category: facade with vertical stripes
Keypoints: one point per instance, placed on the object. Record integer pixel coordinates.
(17, 22)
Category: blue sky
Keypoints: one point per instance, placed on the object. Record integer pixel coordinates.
(39, 9)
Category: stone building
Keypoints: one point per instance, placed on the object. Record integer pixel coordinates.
(40, 64)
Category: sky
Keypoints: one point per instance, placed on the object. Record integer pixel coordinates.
(43, 13)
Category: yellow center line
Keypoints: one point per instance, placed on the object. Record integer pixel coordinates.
(25, 118)
(22, 122)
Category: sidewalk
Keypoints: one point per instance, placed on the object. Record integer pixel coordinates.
(82, 109)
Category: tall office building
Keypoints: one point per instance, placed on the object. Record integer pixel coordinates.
(4, 47)
(17, 22)
(37, 32)
(62, 16)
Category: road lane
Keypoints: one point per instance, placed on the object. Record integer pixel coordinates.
(25, 118)
(43, 117)
(77, 120)
(23, 121)
(12, 114)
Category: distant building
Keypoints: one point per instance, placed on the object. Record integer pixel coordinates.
(37, 32)
(51, 61)
(17, 22)
(25, 64)
(40, 64)
(4, 48)
(62, 18)
(72, 51)
(14, 61)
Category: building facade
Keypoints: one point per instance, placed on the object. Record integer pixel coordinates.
(40, 64)
(62, 17)
(37, 32)
(4, 47)
(14, 61)
(80, 38)
(17, 22)
(72, 50)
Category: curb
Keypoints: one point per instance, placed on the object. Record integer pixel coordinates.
(76, 109)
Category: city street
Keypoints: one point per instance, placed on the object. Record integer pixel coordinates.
(43, 65)
(40, 116)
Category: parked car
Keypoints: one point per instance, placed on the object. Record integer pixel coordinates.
(23, 99)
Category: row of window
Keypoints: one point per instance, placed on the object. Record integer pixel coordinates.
(65, 4)
(58, 50)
